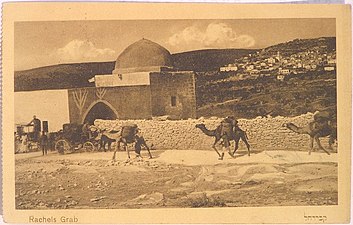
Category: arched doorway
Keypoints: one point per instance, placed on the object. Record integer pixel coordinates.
(100, 110)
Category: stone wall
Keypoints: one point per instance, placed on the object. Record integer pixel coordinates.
(263, 133)
(179, 85)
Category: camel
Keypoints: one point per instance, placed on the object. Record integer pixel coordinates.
(315, 131)
(130, 138)
(238, 134)
(108, 138)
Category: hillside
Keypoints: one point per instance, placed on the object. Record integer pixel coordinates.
(60, 76)
(208, 60)
(248, 93)
(77, 74)
(267, 96)
(302, 45)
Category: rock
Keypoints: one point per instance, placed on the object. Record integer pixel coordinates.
(180, 189)
(196, 195)
(187, 184)
(209, 178)
(223, 182)
(98, 199)
(141, 196)
(252, 182)
(237, 183)
(169, 182)
(94, 199)
(73, 202)
(157, 197)
(145, 199)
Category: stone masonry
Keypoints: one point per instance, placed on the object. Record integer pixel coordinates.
(263, 133)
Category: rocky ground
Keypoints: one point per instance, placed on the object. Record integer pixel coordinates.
(177, 178)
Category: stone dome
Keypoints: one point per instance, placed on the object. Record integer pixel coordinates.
(143, 55)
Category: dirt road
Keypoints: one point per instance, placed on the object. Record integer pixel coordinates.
(175, 179)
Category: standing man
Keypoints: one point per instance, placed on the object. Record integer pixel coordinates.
(227, 133)
(44, 143)
(37, 128)
(326, 122)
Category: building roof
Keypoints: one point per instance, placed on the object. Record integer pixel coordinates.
(143, 54)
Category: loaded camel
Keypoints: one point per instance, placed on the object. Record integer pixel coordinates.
(238, 134)
(129, 135)
(316, 130)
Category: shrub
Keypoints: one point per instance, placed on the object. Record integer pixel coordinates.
(205, 201)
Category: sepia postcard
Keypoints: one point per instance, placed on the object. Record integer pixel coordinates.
(178, 113)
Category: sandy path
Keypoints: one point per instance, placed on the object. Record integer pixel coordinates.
(175, 178)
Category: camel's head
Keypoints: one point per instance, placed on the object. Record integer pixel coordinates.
(200, 125)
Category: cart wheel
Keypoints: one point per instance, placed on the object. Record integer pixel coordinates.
(88, 146)
(62, 146)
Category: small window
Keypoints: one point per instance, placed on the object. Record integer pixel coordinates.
(173, 100)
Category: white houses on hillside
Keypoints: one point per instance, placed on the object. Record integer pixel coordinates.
(228, 68)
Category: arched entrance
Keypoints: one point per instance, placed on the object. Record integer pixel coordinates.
(99, 110)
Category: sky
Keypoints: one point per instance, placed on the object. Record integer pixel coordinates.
(46, 109)
(54, 42)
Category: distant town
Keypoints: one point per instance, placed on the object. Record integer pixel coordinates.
(281, 64)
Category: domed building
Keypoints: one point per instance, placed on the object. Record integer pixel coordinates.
(143, 56)
(143, 85)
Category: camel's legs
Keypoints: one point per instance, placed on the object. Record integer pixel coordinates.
(214, 146)
(319, 144)
(109, 145)
(116, 148)
(226, 147)
(127, 150)
(243, 138)
(311, 145)
(149, 152)
(143, 142)
(236, 146)
(226, 143)
(331, 141)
